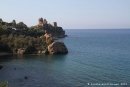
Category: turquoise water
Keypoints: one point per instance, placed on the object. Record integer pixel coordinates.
(95, 57)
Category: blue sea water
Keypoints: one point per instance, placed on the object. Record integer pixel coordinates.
(96, 58)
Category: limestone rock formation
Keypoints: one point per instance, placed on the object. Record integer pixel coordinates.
(42, 52)
(57, 47)
(21, 51)
(31, 50)
(49, 38)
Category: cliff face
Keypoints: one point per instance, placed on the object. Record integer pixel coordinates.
(57, 32)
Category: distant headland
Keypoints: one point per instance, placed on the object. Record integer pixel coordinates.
(18, 38)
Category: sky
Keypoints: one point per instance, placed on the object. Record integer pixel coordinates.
(69, 14)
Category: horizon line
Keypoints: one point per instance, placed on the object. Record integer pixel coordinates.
(96, 28)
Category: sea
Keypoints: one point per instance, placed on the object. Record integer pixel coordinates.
(96, 58)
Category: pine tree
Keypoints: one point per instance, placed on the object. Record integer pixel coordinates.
(14, 24)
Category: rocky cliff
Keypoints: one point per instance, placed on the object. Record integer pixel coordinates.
(33, 40)
(52, 48)
(57, 48)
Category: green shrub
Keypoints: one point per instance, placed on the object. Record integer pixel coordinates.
(4, 84)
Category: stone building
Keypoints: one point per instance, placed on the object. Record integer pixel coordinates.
(42, 22)
(54, 24)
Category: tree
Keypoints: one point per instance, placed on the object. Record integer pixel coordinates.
(1, 20)
(21, 25)
(1, 25)
(4, 27)
(6, 24)
(4, 84)
(14, 24)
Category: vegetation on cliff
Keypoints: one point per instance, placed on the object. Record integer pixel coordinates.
(4, 84)
(12, 43)
(17, 38)
(30, 39)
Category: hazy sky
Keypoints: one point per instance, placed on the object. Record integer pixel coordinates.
(70, 14)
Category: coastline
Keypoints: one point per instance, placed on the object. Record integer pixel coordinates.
(4, 53)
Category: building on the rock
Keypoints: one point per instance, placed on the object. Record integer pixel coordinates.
(44, 22)
(40, 21)
(54, 24)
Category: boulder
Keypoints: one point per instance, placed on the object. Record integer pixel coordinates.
(57, 47)
(21, 51)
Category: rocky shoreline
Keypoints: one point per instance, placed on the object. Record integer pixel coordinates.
(56, 47)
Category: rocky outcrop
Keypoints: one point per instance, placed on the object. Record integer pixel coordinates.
(57, 48)
(31, 50)
(49, 38)
(57, 32)
(42, 52)
(52, 47)
(21, 51)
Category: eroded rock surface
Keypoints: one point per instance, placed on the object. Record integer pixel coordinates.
(57, 47)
